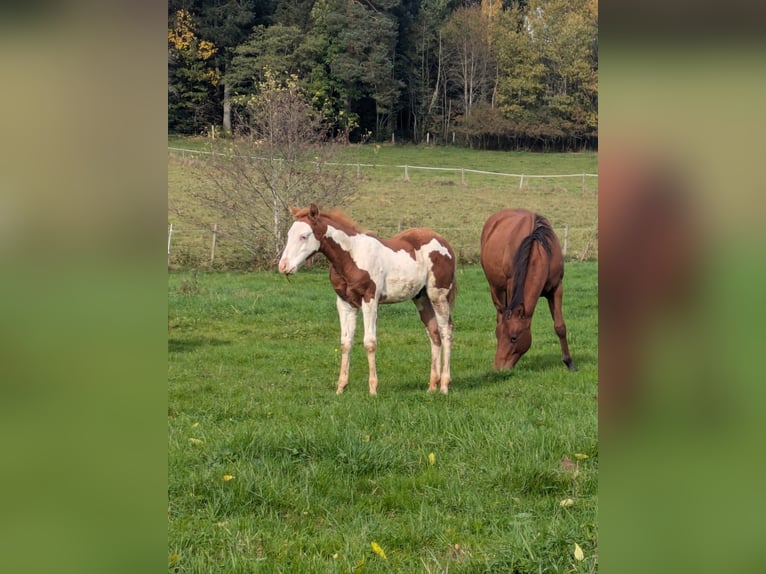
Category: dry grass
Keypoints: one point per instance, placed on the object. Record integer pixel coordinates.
(452, 203)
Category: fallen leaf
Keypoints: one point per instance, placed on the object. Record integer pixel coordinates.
(566, 502)
(431, 458)
(581, 456)
(378, 550)
(196, 441)
(227, 477)
(578, 554)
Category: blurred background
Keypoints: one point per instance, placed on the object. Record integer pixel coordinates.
(83, 294)
(681, 198)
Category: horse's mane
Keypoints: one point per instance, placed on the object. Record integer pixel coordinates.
(543, 233)
(336, 216)
(342, 220)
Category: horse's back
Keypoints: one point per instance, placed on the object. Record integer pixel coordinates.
(507, 223)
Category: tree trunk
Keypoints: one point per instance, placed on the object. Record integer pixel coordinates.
(226, 109)
(438, 77)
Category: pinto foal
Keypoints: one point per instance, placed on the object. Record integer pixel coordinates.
(417, 265)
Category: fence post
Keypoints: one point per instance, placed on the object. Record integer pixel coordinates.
(583, 184)
(462, 176)
(566, 240)
(212, 248)
(406, 174)
(358, 171)
(170, 235)
(521, 181)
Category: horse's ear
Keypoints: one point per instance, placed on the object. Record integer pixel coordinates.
(294, 210)
(313, 211)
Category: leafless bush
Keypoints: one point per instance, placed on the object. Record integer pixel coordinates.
(280, 155)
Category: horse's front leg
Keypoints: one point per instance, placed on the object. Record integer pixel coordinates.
(347, 316)
(370, 314)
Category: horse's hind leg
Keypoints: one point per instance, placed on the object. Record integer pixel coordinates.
(554, 304)
(442, 309)
(427, 315)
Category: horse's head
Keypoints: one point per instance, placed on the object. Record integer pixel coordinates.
(514, 337)
(303, 239)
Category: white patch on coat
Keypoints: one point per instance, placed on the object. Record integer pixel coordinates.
(301, 243)
(396, 274)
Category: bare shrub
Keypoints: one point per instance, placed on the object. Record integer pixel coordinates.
(280, 155)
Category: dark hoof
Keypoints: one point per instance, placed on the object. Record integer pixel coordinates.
(570, 365)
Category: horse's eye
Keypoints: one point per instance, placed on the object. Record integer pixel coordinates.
(513, 339)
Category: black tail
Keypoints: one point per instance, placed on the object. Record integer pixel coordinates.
(543, 233)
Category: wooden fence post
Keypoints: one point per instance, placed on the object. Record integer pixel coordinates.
(521, 181)
(212, 248)
(406, 174)
(170, 235)
(566, 240)
(462, 176)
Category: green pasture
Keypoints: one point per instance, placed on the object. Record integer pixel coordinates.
(270, 471)
(454, 203)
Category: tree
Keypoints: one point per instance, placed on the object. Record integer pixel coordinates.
(470, 58)
(279, 157)
(360, 42)
(227, 23)
(548, 85)
(191, 78)
(423, 69)
(274, 48)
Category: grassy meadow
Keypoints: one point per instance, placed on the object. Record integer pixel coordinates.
(270, 471)
(454, 204)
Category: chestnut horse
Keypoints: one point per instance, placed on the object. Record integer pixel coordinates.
(522, 260)
(417, 264)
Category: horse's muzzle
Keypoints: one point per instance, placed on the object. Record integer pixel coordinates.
(284, 267)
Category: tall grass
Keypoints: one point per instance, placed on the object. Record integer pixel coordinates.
(270, 471)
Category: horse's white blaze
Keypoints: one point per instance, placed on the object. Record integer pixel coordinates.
(301, 243)
(396, 274)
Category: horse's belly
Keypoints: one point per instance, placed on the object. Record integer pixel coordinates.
(400, 289)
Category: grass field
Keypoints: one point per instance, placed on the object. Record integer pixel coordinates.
(270, 471)
(385, 202)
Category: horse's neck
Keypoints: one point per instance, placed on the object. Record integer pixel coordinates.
(341, 244)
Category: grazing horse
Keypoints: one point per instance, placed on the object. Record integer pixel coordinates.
(417, 264)
(522, 260)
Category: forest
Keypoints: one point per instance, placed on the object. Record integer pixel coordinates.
(485, 74)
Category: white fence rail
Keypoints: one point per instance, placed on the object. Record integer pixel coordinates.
(406, 167)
